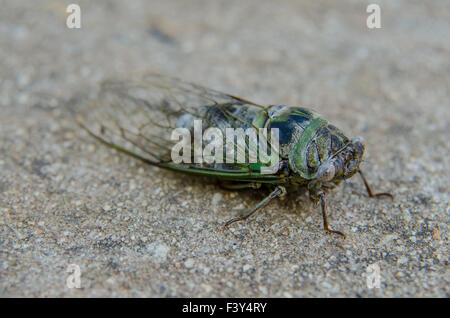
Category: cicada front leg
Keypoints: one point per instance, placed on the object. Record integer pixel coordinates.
(278, 192)
(369, 190)
(325, 216)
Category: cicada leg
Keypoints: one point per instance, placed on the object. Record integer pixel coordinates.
(325, 217)
(278, 192)
(237, 186)
(369, 190)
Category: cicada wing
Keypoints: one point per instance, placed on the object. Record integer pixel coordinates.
(138, 117)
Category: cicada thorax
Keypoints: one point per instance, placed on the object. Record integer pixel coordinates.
(306, 139)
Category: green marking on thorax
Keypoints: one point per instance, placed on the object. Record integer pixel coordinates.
(297, 156)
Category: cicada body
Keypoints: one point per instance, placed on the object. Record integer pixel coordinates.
(139, 118)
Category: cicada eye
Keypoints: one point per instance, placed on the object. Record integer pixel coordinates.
(359, 144)
(358, 140)
(326, 172)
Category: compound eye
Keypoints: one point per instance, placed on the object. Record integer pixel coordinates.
(326, 172)
(359, 144)
(358, 140)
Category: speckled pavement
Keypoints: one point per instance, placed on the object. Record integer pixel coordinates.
(135, 230)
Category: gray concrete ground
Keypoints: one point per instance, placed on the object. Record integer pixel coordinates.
(135, 230)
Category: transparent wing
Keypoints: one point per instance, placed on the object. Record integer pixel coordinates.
(138, 116)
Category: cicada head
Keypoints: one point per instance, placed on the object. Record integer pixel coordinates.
(344, 164)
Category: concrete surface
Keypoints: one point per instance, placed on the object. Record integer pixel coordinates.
(135, 230)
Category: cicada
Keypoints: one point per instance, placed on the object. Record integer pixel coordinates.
(138, 117)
